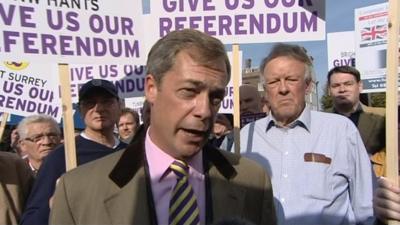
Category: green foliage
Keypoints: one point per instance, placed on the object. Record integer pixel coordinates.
(375, 100)
(378, 99)
(326, 100)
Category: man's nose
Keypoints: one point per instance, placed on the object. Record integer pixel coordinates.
(242, 106)
(202, 106)
(342, 88)
(283, 88)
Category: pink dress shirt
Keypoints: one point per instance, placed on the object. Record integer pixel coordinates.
(162, 183)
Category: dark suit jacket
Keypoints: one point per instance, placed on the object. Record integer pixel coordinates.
(116, 190)
(372, 130)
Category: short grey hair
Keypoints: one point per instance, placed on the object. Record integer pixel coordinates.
(22, 127)
(201, 47)
(289, 50)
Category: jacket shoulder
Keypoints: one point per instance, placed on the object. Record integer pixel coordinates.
(96, 169)
(374, 116)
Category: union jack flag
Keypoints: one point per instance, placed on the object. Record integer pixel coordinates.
(377, 32)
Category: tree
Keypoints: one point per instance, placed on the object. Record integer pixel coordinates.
(326, 100)
(371, 99)
(378, 99)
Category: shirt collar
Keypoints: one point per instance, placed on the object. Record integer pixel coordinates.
(156, 156)
(304, 120)
(34, 170)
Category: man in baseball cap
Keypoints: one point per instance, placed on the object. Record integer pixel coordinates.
(98, 84)
(100, 109)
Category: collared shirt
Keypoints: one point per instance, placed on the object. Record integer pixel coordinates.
(163, 180)
(33, 169)
(333, 192)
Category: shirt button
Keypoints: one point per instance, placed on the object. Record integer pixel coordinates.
(286, 153)
(285, 175)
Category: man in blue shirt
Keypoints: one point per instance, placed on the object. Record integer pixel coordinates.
(320, 170)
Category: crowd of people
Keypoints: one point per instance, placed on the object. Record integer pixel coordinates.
(296, 165)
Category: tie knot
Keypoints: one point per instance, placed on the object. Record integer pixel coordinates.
(180, 168)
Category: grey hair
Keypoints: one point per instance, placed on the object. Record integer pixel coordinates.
(202, 48)
(294, 51)
(22, 127)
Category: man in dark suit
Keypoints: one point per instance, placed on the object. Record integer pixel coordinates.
(345, 86)
(187, 72)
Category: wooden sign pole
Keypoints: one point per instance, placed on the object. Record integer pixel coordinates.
(68, 122)
(236, 98)
(391, 95)
(3, 123)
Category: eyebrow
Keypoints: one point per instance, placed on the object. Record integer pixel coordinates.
(344, 82)
(199, 84)
(195, 83)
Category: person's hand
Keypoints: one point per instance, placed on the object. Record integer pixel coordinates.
(387, 200)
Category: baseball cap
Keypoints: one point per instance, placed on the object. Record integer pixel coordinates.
(96, 84)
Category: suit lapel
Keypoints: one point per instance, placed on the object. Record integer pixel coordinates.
(130, 191)
(365, 126)
(226, 198)
(128, 205)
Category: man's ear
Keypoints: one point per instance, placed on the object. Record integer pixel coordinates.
(82, 111)
(151, 88)
(360, 86)
(309, 86)
(121, 103)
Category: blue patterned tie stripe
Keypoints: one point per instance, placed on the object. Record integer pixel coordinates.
(183, 209)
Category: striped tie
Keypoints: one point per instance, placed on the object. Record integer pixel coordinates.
(183, 208)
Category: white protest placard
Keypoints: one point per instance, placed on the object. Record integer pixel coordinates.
(129, 79)
(341, 49)
(227, 102)
(136, 103)
(26, 89)
(78, 31)
(371, 43)
(239, 21)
